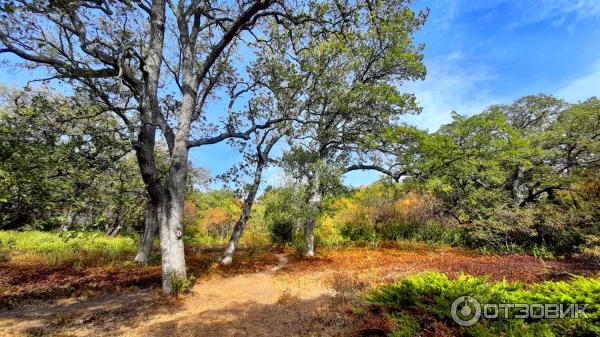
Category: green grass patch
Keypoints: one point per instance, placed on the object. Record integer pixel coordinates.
(78, 249)
(407, 326)
(434, 293)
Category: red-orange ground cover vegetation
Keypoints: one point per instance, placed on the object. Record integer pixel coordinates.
(30, 280)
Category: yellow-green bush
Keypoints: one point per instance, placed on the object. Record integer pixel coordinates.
(372, 214)
(73, 248)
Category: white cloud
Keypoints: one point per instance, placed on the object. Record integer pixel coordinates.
(560, 12)
(457, 83)
(454, 82)
(583, 87)
(518, 13)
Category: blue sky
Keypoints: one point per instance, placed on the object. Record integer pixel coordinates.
(484, 52)
(478, 53)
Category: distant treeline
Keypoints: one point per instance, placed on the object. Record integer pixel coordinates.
(518, 177)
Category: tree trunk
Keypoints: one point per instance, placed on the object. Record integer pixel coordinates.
(170, 211)
(161, 195)
(516, 194)
(115, 230)
(309, 237)
(171, 245)
(240, 225)
(238, 230)
(314, 204)
(150, 230)
(69, 220)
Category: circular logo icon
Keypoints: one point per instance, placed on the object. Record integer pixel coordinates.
(466, 311)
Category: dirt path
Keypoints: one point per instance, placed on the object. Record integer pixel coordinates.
(258, 304)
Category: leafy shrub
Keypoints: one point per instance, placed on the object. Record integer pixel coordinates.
(327, 234)
(387, 212)
(255, 238)
(283, 212)
(407, 326)
(281, 231)
(429, 231)
(357, 232)
(182, 285)
(383, 212)
(546, 231)
(434, 293)
(196, 235)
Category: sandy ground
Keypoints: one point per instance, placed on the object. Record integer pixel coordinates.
(258, 304)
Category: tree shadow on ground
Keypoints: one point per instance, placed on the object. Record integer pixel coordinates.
(325, 315)
(99, 316)
(144, 313)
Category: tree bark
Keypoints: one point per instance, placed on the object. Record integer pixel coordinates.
(238, 230)
(115, 230)
(150, 230)
(240, 225)
(170, 211)
(309, 237)
(314, 204)
(516, 186)
(171, 245)
(69, 220)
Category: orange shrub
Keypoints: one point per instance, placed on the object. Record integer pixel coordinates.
(218, 222)
(190, 213)
(418, 207)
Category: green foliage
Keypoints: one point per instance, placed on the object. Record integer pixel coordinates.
(221, 198)
(68, 248)
(389, 211)
(509, 155)
(430, 231)
(210, 216)
(348, 93)
(434, 293)
(386, 210)
(283, 211)
(63, 164)
(543, 231)
(408, 326)
(282, 231)
(518, 178)
(181, 285)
